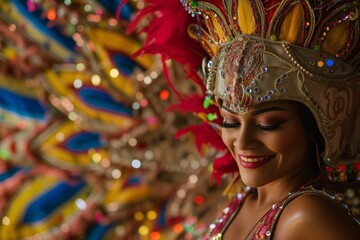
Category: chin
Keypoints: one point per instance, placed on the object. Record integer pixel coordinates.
(253, 178)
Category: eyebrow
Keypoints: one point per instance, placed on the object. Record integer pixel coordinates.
(257, 112)
(269, 109)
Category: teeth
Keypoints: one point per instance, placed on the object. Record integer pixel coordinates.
(253, 159)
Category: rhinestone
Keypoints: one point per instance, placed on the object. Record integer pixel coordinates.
(320, 63)
(229, 38)
(257, 90)
(273, 37)
(249, 90)
(265, 69)
(273, 206)
(221, 220)
(223, 73)
(268, 233)
(339, 197)
(226, 210)
(212, 226)
(194, 3)
(254, 82)
(285, 76)
(317, 47)
(210, 64)
(240, 196)
(279, 80)
(270, 92)
(207, 102)
(260, 99)
(267, 97)
(283, 90)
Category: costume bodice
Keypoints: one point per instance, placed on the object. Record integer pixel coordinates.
(266, 225)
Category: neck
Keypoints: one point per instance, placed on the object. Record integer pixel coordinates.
(274, 192)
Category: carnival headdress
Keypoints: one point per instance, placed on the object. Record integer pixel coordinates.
(299, 50)
(262, 51)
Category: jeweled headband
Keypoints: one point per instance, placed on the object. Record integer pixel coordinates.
(304, 51)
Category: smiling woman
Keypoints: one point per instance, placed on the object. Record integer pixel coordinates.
(276, 154)
(285, 78)
(268, 143)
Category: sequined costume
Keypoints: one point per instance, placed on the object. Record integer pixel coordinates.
(265, 227)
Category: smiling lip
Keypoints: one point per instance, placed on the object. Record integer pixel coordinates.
(252, 162)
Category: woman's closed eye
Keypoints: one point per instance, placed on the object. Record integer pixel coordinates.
(264, 127)
(270, 126)
(230, 124)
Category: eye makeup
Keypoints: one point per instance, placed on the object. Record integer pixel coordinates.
(230, 125)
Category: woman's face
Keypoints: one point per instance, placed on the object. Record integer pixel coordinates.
(269, 143)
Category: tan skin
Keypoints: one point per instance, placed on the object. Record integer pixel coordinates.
(275, 134)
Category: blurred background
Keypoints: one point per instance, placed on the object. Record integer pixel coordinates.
(87, 145)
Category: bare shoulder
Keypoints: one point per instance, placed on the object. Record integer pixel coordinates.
(314, 217)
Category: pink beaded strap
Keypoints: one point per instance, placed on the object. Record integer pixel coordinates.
(217, 228)
(266, 225)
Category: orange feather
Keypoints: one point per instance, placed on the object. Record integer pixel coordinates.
(292, 27)
(336, 38)
(245, 17)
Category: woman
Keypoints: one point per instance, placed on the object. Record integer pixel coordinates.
(285, 76)
(275, 155)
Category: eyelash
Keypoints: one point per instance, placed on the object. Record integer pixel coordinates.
(261, 127)
(268, 128)
(230, 125)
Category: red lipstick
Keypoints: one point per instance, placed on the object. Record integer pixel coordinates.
(252, 161)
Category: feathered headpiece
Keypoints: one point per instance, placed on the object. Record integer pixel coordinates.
(300, 50)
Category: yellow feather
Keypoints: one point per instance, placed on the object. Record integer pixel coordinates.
(336, 38)
(221, 34)
(292, 25)
(246, 18)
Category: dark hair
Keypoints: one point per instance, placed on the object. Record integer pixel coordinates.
(311, 127)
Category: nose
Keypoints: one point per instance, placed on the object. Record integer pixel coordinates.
(244, 138)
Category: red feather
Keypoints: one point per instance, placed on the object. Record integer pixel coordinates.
(167, 35)
(167, 32)
(204, 134)
(224, 165)
(194, 104)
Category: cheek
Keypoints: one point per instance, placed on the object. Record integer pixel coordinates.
(227, 139)
(294, 142)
